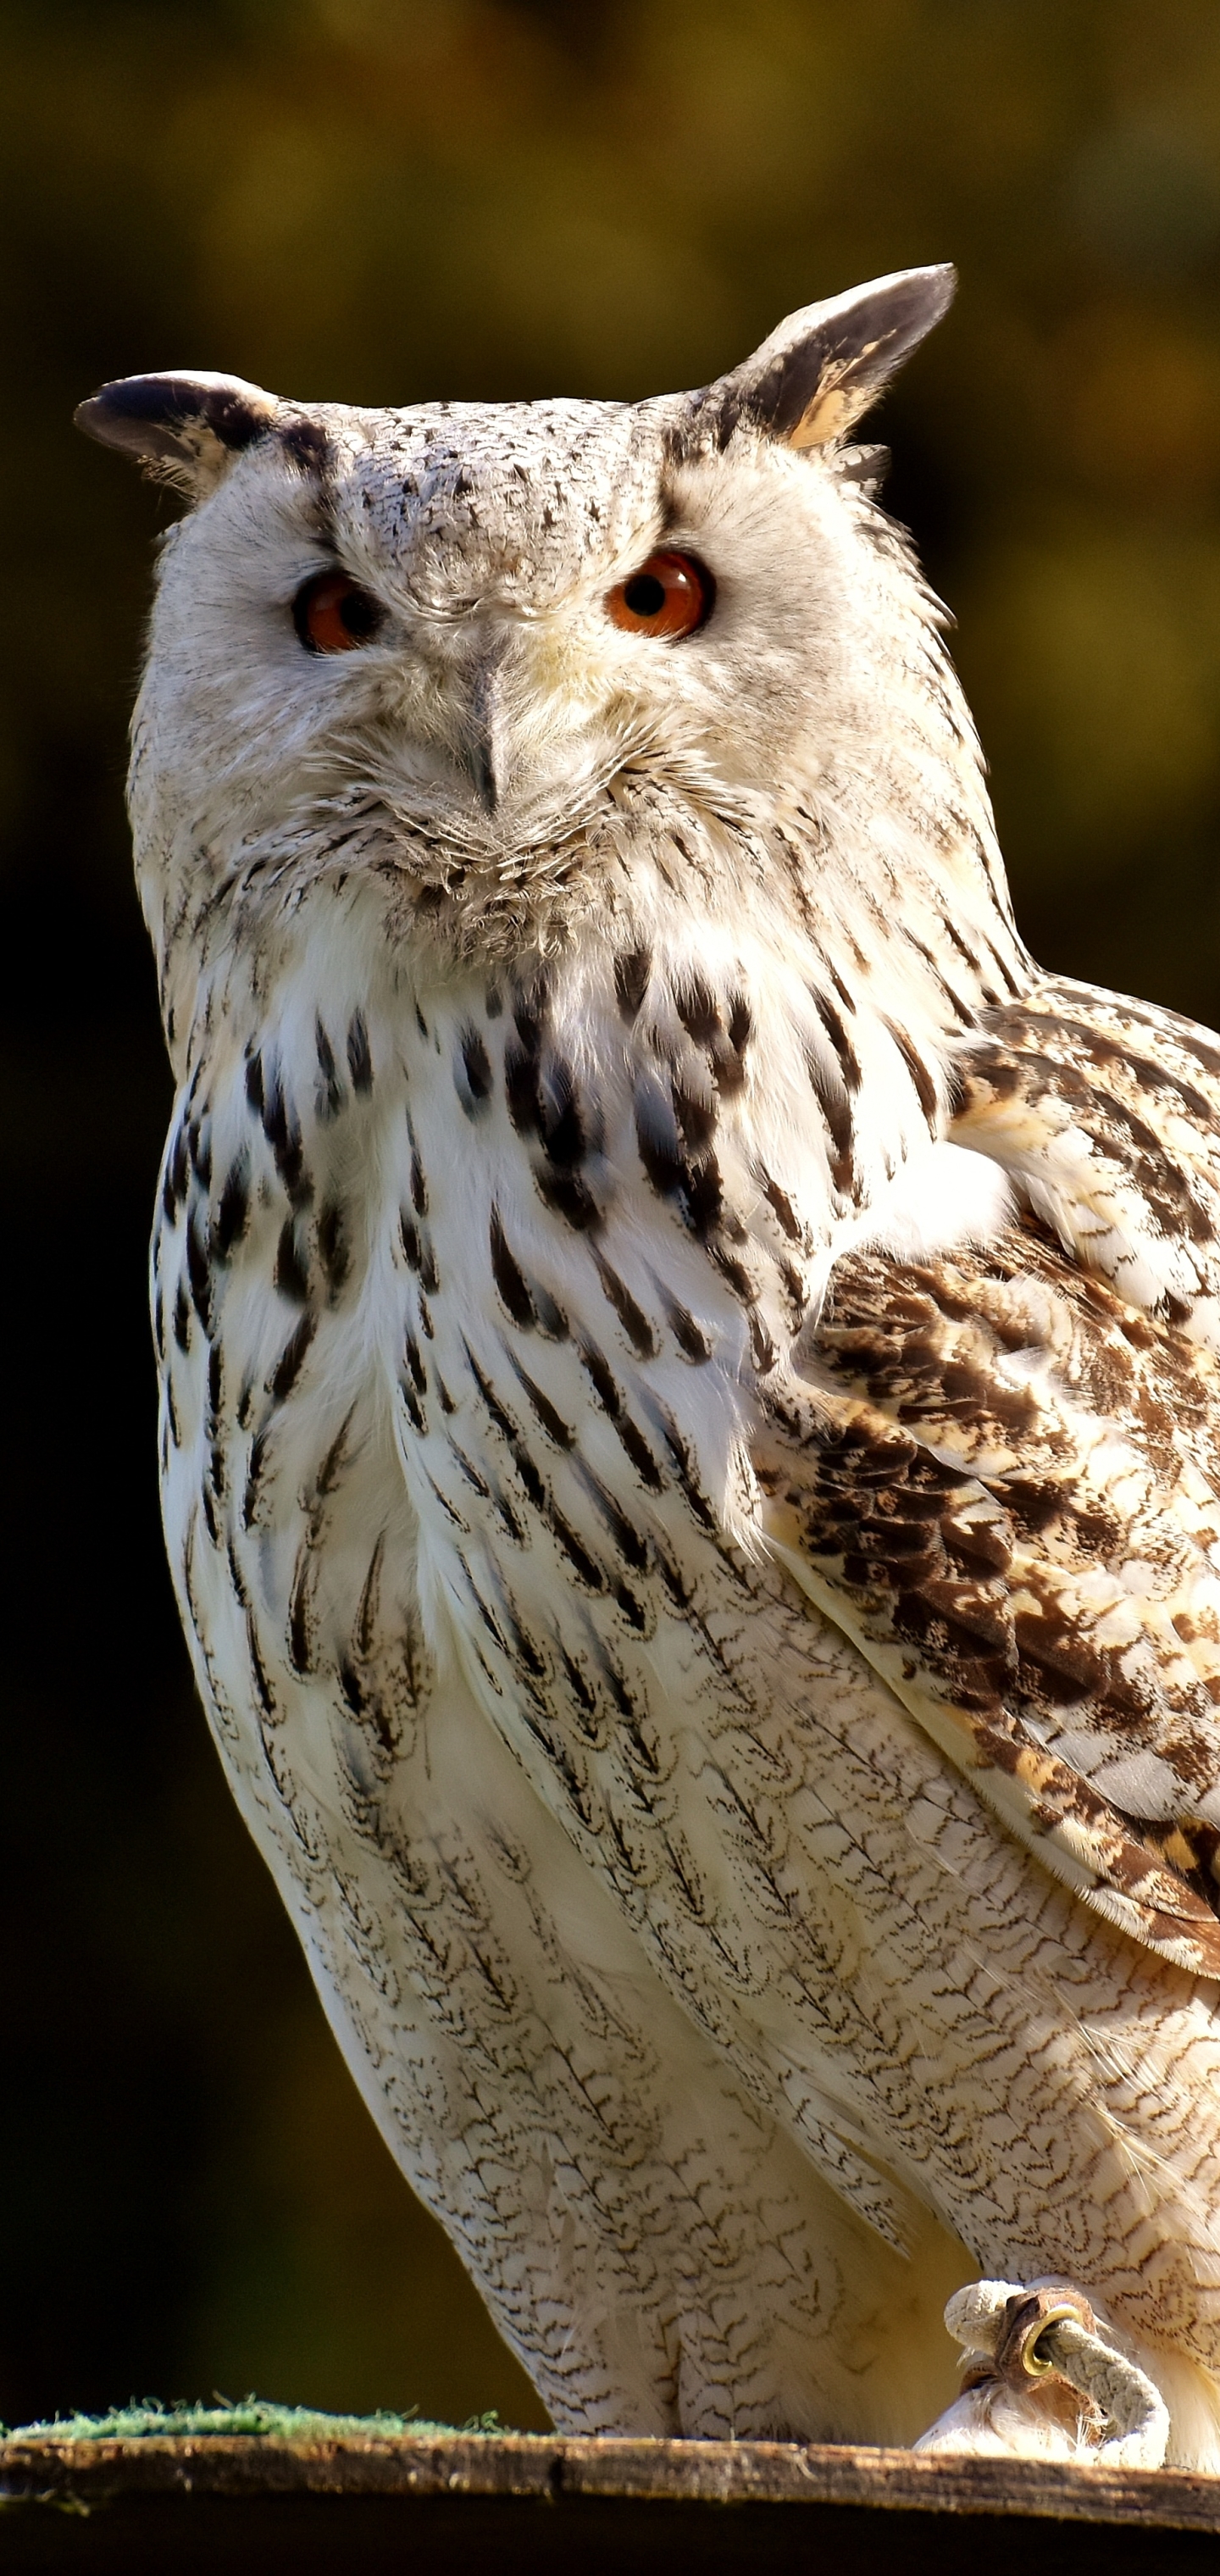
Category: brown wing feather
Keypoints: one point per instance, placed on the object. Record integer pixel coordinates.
(1107, 1112)
(1002, 1482)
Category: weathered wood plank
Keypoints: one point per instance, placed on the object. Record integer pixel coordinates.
(464, 2501)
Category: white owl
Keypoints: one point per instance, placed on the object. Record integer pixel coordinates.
(689, 1405)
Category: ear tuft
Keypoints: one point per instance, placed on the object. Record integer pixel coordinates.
(824, 366)
(182, 429)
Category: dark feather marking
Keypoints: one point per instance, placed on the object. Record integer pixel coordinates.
(831, 1096)
(508, 1278)
(684, 1470)
(330, 1094)
(359, 1059)
(703, 1196)
(292, 1359)
(291, 1272)
(762, 1348)
(925, 1088)
(568, 1197)
(695, 1004)
(849, 1062)
(336, 1458)
(615, 1684)
(660, 1155)
(259, 1448)
(736, 1277)
(508, 1519)
(474, 1091)
(632, 1318)
(449, 1510)
(560, 1124)
(639, 1453)
(174, 1188)
(409, 1236)
(232, 1215)
(262, 1687)
(552, 1422)
(509, 1432)
(333, 1250)
(696, 1119)
(674, 1582)
(632, 969)
(611, 1401)
(415, 1363)
(522, 1089)
(301, 1650)
(364, 1635)
(962, 1011)
(351, 1686)
(530, 1008)
(631, 1546)
(505, 1425)
(779, 1201)
(741, 1024)
(585, 1565)
(182, 1318)
(414, 1409)
(964, 950)
(691, 1341)
(254, 1084)
(581, 1693)
(633, 1610)
(199, 1273)
(281, 1128)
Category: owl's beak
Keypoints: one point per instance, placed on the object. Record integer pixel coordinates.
(483, 743)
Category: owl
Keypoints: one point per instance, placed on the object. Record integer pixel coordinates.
(690, 1414)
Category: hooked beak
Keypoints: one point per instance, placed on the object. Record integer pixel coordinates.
(483, 734)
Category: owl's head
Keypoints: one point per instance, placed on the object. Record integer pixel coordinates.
(476, 618)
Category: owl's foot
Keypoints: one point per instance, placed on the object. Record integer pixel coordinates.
(1040, 2378)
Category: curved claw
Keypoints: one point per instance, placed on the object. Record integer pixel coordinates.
(1020, 2348)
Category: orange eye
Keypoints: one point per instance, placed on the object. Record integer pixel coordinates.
(671, 594)
(332, 613)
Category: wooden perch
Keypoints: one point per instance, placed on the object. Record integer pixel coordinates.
(504, 2503)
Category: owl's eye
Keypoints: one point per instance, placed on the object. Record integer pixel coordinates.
(671, 594)
(332, 613)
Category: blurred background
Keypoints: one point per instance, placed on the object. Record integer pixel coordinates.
(387, 200)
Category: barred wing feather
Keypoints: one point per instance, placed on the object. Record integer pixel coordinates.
(1001, 1481)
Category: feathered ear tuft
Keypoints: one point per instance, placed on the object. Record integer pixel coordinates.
(182, 429)
(824, 366)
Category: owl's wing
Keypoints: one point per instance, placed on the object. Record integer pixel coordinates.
(1106, 1113)
(1000, 1480)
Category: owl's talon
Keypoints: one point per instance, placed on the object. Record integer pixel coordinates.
(1023, 2349)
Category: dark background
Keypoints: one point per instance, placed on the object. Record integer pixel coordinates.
(386, 200)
